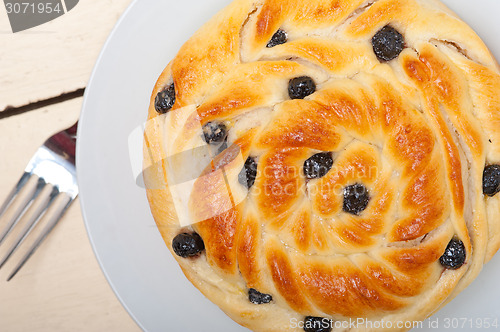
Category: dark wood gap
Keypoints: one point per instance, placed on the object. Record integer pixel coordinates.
(11, 111)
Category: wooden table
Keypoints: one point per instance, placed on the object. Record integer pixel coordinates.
(43, 72)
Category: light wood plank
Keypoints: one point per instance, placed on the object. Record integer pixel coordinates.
(55, 57)
(61, 288)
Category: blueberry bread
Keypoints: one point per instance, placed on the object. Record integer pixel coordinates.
(327, 160)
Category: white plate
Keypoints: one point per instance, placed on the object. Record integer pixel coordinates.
(127, 244)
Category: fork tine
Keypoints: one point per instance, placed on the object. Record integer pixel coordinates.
(34, 218)
(22, 181)
(40, 185)
(52, 223)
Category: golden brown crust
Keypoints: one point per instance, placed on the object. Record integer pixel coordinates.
(417, 132)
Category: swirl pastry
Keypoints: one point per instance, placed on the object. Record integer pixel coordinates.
(328, 160)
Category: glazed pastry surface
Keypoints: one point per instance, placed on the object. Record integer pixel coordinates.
(330, 155)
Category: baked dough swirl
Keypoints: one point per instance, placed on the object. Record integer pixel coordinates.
(415, 133)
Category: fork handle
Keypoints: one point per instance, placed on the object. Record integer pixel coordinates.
(64, 142)
(71, 131)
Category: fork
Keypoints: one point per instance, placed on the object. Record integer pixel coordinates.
(52, 167)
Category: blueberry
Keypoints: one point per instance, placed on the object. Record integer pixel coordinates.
(165, 99)
(318, 165)
(214, 132)
(187, 245)
(248, 173)
(257, 297)
(356, 198)
(454, 255)
(317, 324)
(387, 43)
(278, 38)
(301, 87)
(491, 180)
